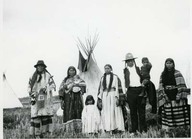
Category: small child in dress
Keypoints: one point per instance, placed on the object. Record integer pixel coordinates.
(90, 117)
(145, 73)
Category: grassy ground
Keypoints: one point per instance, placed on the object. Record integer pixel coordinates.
(16, 123)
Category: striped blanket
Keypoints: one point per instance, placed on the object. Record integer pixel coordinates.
(183, 91)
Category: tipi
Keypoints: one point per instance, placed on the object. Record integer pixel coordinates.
(89, 70)
(10, 99)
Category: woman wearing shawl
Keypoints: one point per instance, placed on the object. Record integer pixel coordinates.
(109, 92)
(41, 86)
(172, 97)
(70, 92)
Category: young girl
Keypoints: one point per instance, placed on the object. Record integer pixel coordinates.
(90, 116)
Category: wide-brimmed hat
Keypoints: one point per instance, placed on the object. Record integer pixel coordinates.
(129, 56)
(40, 62)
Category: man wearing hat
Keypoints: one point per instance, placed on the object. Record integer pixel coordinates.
(40, 88)
(135, 99)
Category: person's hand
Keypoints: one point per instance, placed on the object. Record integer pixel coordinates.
(178, 98)
(117, 101)
(62, 104)
(43, 90)
(167, 99)
(184, 95)
(65, 86)
(33, 94)
(99, 104)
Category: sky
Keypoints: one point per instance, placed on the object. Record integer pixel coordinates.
(48, 29)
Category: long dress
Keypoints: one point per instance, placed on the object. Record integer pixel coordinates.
(72, 102)
(175, 112)
(112, 116)
(90, 119)
(42, 110)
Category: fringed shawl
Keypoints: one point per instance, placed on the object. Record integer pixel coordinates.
(70, 82)
(180, 84)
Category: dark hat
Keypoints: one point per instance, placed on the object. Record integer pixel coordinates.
(40, 62)
(129, 56)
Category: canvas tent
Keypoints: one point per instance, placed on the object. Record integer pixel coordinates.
(89, 70)
(10, 99)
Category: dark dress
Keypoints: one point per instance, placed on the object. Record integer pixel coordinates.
(72, 99)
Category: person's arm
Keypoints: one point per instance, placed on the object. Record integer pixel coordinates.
(100, 94)
(162, 97)
(183, 91)
(51, 83)
(122, 97)
(29, 89)
(62, 89)
(149, 66)
(82, 86)
(100, 89)
(126, 77)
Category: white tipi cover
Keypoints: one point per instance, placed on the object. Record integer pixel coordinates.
(92, 78)
(10, 100)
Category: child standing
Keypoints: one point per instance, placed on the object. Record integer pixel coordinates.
(90, 116)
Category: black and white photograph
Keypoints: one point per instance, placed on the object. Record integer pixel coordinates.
(95, 69)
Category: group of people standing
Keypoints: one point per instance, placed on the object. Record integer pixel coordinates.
(107, 112)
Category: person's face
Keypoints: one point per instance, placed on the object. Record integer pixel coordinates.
(107, 69)
(169, 65)
(145, 62)
(130, 63)
(71, 72)
(40, 68)
(90, 102)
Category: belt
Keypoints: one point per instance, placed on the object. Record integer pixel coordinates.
(170, 87)
(135, 86)
(112, 89)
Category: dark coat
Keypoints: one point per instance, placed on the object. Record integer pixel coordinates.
(151, 94)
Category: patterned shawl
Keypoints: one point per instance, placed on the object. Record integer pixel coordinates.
(180, 84)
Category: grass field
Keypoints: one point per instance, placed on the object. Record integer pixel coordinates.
(16, 123)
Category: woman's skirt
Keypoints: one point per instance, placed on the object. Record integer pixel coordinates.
(175, 114)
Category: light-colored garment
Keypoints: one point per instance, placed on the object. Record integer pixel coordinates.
(47, 108)
(112, 116)
(91, 119)
(134, 77)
